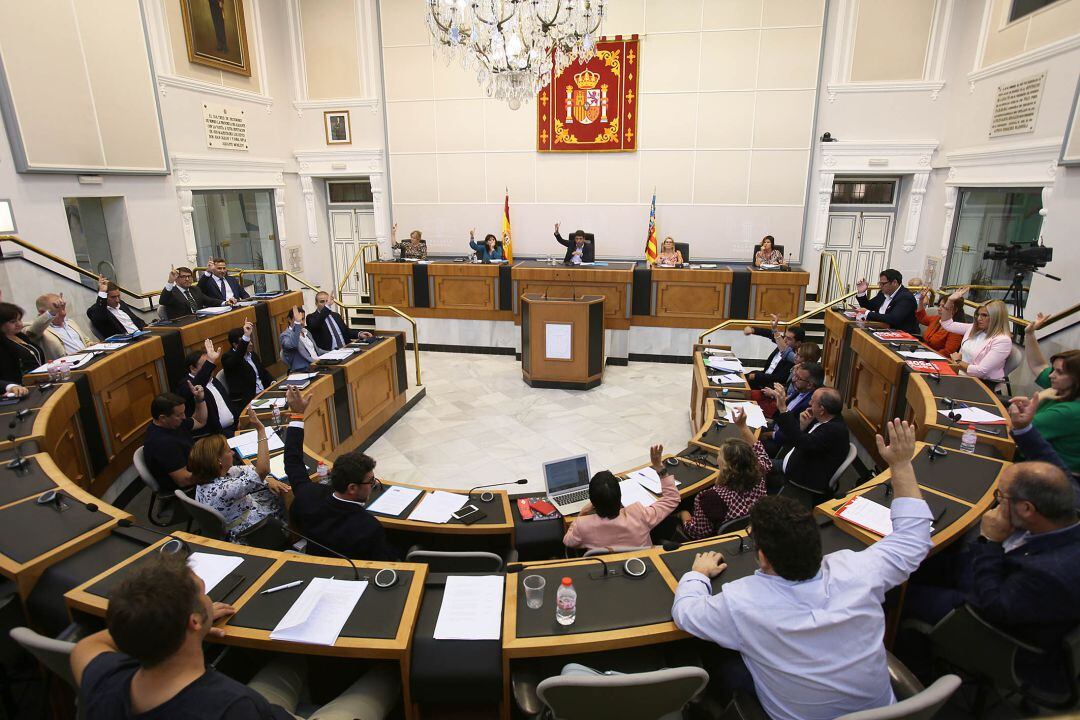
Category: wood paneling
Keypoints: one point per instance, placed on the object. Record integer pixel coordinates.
(464, 293)
(780, 293)
(391, 290)
(689, 299)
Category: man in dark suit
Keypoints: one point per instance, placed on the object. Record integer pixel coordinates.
(244, 371)
(327, 327)
(216, 283)
(579, 249)
(334, 514)
(180, 297)
(780, 361)
(110, 315)
(201, 367)
(895, 305)
(806, 378)
(819, 442)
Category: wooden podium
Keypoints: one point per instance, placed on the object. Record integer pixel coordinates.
(562, 341)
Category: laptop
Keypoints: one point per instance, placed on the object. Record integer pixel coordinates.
(568, 483)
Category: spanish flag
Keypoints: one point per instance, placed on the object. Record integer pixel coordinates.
(508, 248)
(650, 239)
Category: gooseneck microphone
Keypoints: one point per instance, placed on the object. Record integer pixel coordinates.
(19, 417)
(174, 545)
(488, 496)
(55, 499)
(285, 530)
(18, 462)
(938, 451)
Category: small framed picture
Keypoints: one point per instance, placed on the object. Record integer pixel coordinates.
(338, 129)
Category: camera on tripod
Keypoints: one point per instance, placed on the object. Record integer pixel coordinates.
(1022, 256)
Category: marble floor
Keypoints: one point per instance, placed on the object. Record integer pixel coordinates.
(480, 423)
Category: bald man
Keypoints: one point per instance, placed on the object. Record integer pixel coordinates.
(1023, 572)
(819, 440)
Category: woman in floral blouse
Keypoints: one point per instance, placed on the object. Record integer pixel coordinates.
(744, 463)
(244, 494)
(415, 248)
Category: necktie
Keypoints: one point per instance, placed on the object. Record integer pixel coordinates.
(190, 301)
(221, 284)
(336, 340)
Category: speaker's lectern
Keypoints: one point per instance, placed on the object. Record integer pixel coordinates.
(562, 341)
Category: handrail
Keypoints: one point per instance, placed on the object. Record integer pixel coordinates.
(356, 258)
(827, 282)
(362, 306)
(793, 321)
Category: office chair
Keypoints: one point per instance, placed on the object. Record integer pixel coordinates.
(616, 549)
(152, 483)
(1016, 356)
(162, 313)
(55, 655)
(658, 694)
(757, 247)
(262, 534)
(684, 250)
(458, 562)
(834, 481)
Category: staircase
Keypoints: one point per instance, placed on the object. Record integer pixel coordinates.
(363, 319)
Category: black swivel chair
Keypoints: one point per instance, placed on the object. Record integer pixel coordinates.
(757, 247)
(684, 250)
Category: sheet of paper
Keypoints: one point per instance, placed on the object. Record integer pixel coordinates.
(213, 568)
(868, 514)
(268, 403)
(975, 415)
(394, 500)
(247, 444)
(342, 354)
(632, 492)
(559, 339)
(277, 466)
(647, 478)
(727, 365)
(320, 612)
(75, 361)
(726, 379)
(301, 376)
(921, 354)
(104, 346)
(220, 310)
(471, 608)
(755, 418)
(438, 506)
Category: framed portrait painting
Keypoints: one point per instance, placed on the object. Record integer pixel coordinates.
(338, 128)
(215, 34)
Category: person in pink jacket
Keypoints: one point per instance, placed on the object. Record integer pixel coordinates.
(605, 523)
(986, 344)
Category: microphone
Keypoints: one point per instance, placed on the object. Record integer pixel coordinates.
(174, 546)
(937, 450)
(670, 545)
(55, 498)
(488, 496)
(634, 567)
(936, 376)
(44, 387)
(18, 462)
(19, 417)
(285, 530)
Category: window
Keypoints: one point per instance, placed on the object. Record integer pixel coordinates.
(89, 227)
(1023, 8)
(999, 216)
(864, 192)
(239, 226)
(358, 191)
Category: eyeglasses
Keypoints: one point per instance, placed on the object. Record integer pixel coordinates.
(999, 496)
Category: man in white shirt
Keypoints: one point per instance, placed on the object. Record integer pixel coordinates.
(57, 334)
(811, 629)
(298, 349)
(110, 315)
(201, 367)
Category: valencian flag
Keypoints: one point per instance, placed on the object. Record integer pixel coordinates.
(650, 240)
(508, 248)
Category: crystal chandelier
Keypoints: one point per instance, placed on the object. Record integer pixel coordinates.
(510, 42)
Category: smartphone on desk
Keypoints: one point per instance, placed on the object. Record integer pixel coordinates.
(468, 514)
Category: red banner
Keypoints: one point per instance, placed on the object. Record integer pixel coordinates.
(592, 107)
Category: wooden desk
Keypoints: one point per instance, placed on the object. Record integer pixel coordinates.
(391, 283)
(780, 293)
(560, 281)
(52, 428)
(924, 406)
(688, 297)
(873, 388)
(702, 389)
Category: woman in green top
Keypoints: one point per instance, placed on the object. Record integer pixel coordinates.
(1058, 416)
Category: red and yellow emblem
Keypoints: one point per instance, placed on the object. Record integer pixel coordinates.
(592, 107)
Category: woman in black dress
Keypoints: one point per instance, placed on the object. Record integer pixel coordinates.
(18, 354)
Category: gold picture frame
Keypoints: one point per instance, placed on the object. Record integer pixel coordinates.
(215, 34)
(338, 127)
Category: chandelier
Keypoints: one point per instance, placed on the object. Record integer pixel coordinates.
(511, 43)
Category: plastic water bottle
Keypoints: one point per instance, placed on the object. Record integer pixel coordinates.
(54, 371)
(65, 369)
(277, 415)
(968, 440)
(566, 603)
(323, 473)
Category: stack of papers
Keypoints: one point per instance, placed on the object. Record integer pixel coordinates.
(106, 346)
(754, 417)
(212, 568)
(726, 379)
(632, 492)
(269, 403)
(394, 500)
(300, 380)
(220, 310)
(320, 612)
(438, 507)
(125, 338)
(728, 365)
(471, 608)
(647, 478)
(868, 515)
(921, 354)
(975, 415)
(75, 361)
(247, 444)
(342, 354)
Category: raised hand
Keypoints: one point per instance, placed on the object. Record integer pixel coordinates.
(747, 330)
(102, 284)
(173, 275)
(213, 354)
(556, 228)
(197, 392)
(253, 418)
(472, 233)
(298, 402)
(738, 416)
(901, 447)
(958, 294)
(1022, 411)
(1036, 324)
(656, 454)
(861, 286)
(775, 321)
(249, 328)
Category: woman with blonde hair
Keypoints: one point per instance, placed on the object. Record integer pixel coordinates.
(669, 255)
(415, 248)
(986, 344)
(243, 494)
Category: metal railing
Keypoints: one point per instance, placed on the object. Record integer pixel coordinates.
(361, 248)
(830, 284)
(783, 323)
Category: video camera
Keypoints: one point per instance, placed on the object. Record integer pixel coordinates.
(1020, 256)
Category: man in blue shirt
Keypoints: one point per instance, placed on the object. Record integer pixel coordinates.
(811, 629)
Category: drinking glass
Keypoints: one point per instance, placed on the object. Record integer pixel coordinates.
(534, 591)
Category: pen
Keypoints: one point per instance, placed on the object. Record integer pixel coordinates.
(940, 515)
(286, 586)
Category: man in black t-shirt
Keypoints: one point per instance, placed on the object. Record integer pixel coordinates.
(169, 437)
(149, 663)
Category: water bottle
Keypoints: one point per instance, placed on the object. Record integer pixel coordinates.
(54, 371)
(323, 473)
(65, 369)
(968, 440)
(277, 415)
(566, 603)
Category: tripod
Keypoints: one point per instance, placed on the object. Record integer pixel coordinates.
(1016, 294)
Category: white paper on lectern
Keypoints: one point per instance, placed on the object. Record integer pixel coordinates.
(559, 341)
(921, 354)
(975, 415)
(394, 500)
(632, 492)
(438, 506)
(212, 568)
(755, 418)
(471, 608)
(868, 514)
(728, 365)
(647, 478)
(247, 444)
(277, 467)
(320, 612)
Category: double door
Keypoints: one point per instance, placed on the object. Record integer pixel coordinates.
(349, 229)
(861, 241)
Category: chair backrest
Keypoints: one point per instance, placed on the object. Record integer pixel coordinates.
(734, 525)
(684, 250)
(444, 561)
(656, 694)
(775, 247)
(144, 472)
(921, 706)
(162, 313)
(1016, 356)
(220, 377)
(851, 453)
(616, 549)
(53, 654)
(211, 522)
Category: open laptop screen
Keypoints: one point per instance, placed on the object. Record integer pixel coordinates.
(562, 475)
